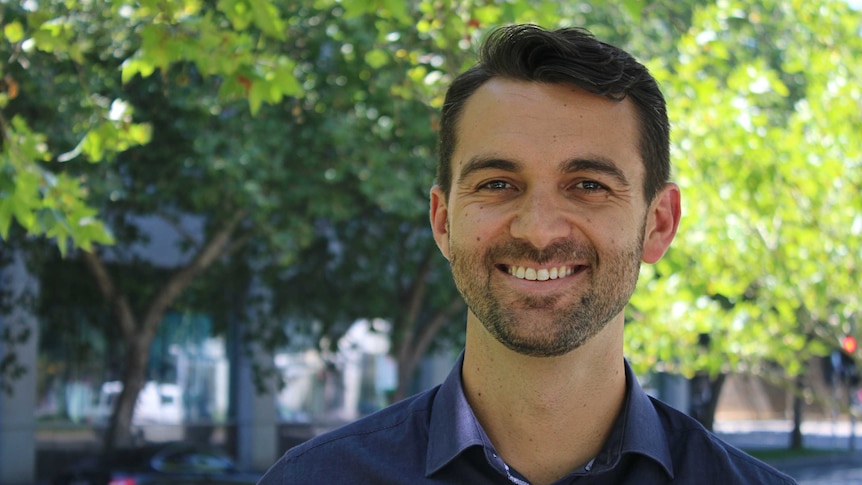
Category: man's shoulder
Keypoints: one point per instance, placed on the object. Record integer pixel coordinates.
(395, 434)
(387, 423)
(697, 451)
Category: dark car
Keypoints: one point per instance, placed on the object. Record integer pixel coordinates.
(170, 463)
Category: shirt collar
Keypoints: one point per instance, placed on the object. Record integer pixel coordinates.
(638, 430)
(454, 428)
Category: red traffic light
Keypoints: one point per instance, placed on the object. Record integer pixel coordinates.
(848, 343)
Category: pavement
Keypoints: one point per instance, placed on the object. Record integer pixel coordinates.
(837, 469)
(835, 456)
(833, 450)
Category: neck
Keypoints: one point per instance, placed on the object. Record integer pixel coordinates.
(546, 416)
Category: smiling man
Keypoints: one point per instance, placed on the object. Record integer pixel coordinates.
(552, 189)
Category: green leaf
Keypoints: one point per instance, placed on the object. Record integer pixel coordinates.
(256, 96)
(134, 66)
(13, 32)
(634, 8)
(268, 19)
(376, 58)
(6, 213)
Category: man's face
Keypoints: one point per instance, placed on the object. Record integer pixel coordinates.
(545, 223)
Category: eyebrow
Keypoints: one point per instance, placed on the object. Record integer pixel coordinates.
(478, 163)
(597, 164)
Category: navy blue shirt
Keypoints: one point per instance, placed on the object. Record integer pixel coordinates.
(434, 438)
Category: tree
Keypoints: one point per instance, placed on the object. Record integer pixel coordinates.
(763, 99)
(126, 38)
(95, 61)
(207, 58)
(377, 265)
(296, 134)
(382, 262)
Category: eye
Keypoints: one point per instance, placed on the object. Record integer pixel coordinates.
(496, 185)
(590, 186)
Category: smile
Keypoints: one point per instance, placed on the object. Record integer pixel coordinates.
(544, 274)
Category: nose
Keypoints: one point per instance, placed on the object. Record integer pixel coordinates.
(540, 219)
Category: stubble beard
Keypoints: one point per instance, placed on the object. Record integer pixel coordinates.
(538, 326)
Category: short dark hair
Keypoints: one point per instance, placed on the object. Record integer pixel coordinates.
(573, 56)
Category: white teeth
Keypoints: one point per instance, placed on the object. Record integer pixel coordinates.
(532, 274)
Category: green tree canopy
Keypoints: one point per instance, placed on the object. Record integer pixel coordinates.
(765, 101)
(289, 130)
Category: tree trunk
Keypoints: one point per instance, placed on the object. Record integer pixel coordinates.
(411, 354)
(119, 425)
(138, 334)
(134, 377)
(705, 412)
(798, 402)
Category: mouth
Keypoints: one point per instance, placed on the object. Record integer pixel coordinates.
(541, 274)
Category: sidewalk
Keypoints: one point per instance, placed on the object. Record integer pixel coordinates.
(775, 434)
(835, 463)
(841, 468)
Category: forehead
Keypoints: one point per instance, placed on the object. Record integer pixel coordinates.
(540, 124)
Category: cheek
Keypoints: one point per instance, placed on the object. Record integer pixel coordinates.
(618, 234)
(473, 226)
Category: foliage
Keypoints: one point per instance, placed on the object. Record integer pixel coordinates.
(64, 41)
(310, 126)
(183, 69)
(765, 103)
(382, 262)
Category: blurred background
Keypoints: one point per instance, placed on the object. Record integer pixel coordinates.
(213, 220)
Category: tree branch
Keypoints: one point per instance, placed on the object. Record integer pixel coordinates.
(186, 275)
(237, 243)
(416, 294)
(428, 332)
(118, 302)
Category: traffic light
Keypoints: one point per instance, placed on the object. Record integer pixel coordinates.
(848, 344)
(848, 363)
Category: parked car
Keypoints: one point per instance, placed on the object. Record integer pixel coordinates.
(159, 463)
(158, 403)
(157, 414)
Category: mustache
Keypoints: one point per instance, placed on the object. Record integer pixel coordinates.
(560, 251)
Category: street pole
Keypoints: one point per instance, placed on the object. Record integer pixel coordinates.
(852, 418)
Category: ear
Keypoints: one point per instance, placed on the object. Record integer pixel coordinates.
(440, 220)
(661, 224)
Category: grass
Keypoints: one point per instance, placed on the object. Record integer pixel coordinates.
(779, 454)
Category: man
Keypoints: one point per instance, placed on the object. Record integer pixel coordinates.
(552, 188)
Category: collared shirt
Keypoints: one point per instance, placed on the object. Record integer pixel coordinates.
(434, 438)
